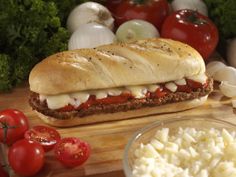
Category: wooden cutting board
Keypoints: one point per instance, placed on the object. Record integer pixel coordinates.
(108, 139)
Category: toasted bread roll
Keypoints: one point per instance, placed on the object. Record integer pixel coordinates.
(143, 62)
(118, 81)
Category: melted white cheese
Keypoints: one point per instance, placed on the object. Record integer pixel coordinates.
(82, 96)
(199, 78)
(42, 98)
(58, 101)
(114, 91)
(153, 87)
(181, 82)
(171, 86)
(76, 103)
(79, 98)
(137, 91)
(99, 94)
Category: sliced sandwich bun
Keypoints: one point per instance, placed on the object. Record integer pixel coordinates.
(167, 108)
(142, 62)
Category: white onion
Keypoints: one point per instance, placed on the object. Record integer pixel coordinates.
(231, 53)
(227, 89)
(213, 67)
(91, 35)
(87, 13)
(197, 5)
(226, 74)
(136, 29)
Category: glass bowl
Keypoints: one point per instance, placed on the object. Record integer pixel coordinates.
(145, 134)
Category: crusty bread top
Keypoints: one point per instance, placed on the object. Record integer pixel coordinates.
(142, 62)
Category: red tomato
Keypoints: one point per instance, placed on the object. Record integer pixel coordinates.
(205, 85)
(115, 99)
(193, 84)
(26, 157)
(91, 101)
(46, 136)
(13, 125)
(159, 93)
(112, 4)
(67, 108)
(153, 11)
(72, 152)
(192, 28)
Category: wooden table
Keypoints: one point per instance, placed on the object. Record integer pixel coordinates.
(108, 139)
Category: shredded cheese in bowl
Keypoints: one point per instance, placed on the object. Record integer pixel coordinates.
(201, 148)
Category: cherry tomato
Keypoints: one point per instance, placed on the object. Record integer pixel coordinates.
(153, 11)
(13, 124)
(46, 136)
(192, 28)
(26, 157)
(72, 152)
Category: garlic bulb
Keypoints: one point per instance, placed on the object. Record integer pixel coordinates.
(89, 12)
(231, 53)
(91, 35)
(197, 5)
(227, 89)
(226, 74)
(213, 67)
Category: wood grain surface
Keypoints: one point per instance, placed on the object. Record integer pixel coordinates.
(108, 139)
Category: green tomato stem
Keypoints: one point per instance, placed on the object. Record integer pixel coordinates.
(5, 128)
(193, 18)
(139, 1)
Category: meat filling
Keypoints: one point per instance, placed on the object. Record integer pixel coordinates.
(130, 104)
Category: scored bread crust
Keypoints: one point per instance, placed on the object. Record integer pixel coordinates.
(147, 111)
(142, 62)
